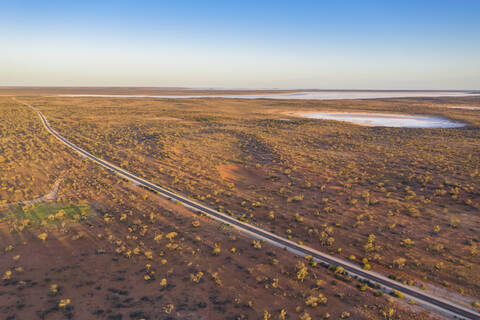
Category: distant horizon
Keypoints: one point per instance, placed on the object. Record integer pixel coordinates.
(243, 93)
(160, 89)
(228, 88)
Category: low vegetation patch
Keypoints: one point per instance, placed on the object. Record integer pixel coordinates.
(46, 213)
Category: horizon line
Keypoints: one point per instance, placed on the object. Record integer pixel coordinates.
(223, 88)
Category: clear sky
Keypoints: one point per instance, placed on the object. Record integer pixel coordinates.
(242, 44)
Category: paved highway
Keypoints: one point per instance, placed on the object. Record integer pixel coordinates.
(435, 303)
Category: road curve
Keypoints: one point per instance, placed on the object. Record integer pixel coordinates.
(429, 300)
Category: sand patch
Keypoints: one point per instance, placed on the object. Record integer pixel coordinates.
(165, 118)
(240, 175)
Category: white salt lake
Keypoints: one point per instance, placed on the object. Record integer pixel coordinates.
(385, 120)
(304, 95)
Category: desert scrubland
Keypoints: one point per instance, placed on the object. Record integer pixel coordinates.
(401, 201)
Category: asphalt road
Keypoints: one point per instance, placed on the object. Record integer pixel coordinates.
(427, 299)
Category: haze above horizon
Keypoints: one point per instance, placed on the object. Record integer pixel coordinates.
(269, 44)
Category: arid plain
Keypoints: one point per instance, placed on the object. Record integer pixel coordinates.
(79, 242)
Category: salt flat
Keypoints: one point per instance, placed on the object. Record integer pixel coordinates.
(465, 107)
(304, 95)
(385, 119)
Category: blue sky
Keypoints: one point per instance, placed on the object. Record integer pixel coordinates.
(242, 44)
